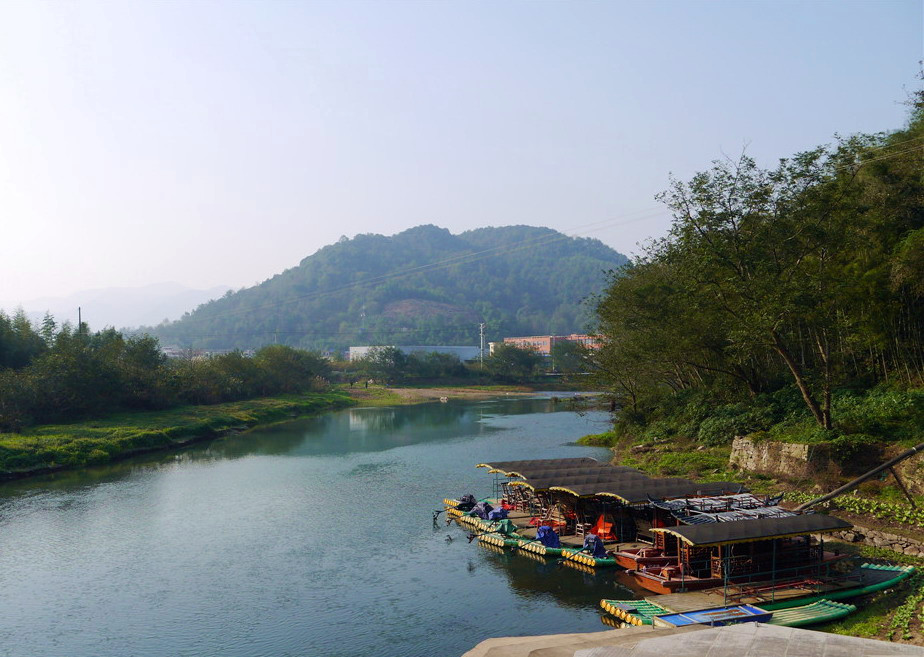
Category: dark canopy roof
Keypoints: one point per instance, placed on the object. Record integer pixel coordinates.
(586, 476)
(599, 479)
(638, 491)
(744, 531)
(546, 464)
(602, 473)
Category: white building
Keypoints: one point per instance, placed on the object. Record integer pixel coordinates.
(463, 353)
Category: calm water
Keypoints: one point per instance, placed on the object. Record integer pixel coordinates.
(309, 538)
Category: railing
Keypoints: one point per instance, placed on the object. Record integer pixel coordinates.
(785, 559)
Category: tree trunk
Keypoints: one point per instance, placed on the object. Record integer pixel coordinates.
(800, 380)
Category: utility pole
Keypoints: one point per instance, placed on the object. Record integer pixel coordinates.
(79, 321)
(481, 353)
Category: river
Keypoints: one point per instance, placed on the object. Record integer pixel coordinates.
(312, 537)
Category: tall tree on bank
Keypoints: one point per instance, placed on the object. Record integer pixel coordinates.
(805, 272)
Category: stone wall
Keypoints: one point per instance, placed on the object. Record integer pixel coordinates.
(911, 470)
(786, 460)
(882, 539)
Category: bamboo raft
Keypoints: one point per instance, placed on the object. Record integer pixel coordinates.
(805, 608)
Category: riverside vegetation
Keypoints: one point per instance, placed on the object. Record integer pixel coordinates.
(785, 304)
(69, 397)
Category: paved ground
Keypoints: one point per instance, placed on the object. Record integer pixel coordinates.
(744, 640)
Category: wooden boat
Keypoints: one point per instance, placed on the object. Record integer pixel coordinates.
(712, 554)
(642, 557)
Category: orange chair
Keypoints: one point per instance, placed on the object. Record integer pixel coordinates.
(603, 529)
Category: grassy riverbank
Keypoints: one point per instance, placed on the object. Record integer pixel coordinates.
(378, 395)
(891, 615)
(63, 446)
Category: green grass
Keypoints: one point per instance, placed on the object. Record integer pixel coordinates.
(378, 396)
(103, 440)
(605, 439)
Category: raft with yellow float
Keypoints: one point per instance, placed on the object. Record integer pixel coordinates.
(581, 557)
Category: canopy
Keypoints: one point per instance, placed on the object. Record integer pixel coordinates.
(760, 529)
(673, 488)
(716, 504)
(601, 469)
(579, 479)
(630, 490)
(549, 463)
(698, 518)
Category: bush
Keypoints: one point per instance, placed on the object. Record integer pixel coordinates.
(691, 464)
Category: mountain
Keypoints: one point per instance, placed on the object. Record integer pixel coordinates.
(422, 286)
(121, 306)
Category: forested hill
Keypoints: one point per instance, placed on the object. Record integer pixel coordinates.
(422, 286)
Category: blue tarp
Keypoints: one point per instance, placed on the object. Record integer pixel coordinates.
(482, 509)
(547, 536)
(594, 546)
(497, 514)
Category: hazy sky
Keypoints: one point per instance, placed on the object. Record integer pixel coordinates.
(221, 142)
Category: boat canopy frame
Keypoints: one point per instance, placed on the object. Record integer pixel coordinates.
(757, 529)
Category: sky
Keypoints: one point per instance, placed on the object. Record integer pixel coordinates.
(219, 143)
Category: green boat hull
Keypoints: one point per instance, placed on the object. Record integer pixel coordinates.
(823, 611)
(806, 610)
(901, 573)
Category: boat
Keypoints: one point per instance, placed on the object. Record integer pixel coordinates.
(871, 577)
(672, 534)
(821, 611)
(501, 533)
(714, 616)
(586, 559)
(581, 497)
(645, 612)
(715, 553)
(633, 612)
(809, 601)
(534, 546)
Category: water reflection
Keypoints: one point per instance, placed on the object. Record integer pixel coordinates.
(276, 541)
(341, 432)
(530, 575)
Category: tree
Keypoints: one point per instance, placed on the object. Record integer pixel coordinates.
(569, 357)
(511, 363)
(387, 364)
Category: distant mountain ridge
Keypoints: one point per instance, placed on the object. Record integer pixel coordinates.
(421, 286)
